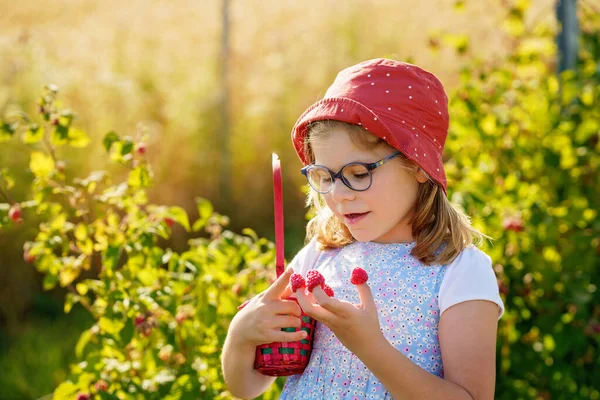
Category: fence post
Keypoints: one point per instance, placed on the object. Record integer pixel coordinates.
(225, 131)
(568, 37)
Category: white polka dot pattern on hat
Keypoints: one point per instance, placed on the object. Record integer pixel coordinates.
(417, 99)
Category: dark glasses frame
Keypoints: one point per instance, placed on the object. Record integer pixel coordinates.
(334, 175)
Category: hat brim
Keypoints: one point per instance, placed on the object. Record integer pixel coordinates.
(414, 146)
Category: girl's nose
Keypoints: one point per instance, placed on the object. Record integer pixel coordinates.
(340, 192)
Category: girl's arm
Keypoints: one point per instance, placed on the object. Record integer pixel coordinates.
(467, 334)
(241, 378)
(259, 322)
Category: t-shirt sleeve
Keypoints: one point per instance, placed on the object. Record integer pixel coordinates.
(470, 277)
(305, 259)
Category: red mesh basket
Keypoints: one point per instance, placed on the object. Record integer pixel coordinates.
(283, 358)
(286, 358)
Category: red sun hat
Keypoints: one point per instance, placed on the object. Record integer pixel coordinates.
(399, 102)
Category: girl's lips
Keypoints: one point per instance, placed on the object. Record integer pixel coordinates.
(351, 219)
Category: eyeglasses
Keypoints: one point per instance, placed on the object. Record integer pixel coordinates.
(355, 175)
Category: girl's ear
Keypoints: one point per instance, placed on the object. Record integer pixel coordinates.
(421, 176)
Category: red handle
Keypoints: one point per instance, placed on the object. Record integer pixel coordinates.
(278, 205)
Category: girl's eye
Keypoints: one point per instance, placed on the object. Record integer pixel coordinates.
(361, 176)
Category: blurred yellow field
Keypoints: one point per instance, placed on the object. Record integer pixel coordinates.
(156, 62)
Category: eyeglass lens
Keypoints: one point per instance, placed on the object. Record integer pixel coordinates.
(355, 176)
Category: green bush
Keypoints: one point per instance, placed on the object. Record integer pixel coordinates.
(160, 316)
(524, 155)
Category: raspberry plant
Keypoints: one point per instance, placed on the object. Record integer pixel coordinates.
(161, 316)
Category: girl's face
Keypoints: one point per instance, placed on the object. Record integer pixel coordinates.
(387, 207)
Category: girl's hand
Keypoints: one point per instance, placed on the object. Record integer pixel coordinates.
(355, 325)
(261, 319)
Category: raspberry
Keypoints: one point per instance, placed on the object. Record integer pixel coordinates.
(141, 148)
(140, 319)
(328, 290)
(83, 396)
(15, 213)
(28, 257)
(181, 316)
(297, 282)
(359, 276)
(101, 386)
(314, 279)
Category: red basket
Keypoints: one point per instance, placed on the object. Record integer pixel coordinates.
(286, 358)
(283, 358)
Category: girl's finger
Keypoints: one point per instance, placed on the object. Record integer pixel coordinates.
(279, 287)
(281, 336)
(328, 303)
(314, 310)
(282, 321)
(366, 297)
(289, 307)
(311, 296)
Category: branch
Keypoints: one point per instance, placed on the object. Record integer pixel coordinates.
(49, 148)
(5, 195)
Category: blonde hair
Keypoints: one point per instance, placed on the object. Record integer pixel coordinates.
(441, 230)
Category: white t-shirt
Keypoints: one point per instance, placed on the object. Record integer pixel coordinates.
(469, 277)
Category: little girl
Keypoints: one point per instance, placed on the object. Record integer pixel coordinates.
(424, 325)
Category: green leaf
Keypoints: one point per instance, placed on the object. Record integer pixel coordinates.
(9, 182)
(514, 26)
(140, 177)
(205, 210)
(127, 332)
(110, 138)
(65, 391)
(146, 276)
(41, 164)
(126, 146)
(84, 339)
(67, 275)
(111, 256)
(81, 232)
(70, 300)
(78, 138)
(179, 215)
(549, 343)
(6, 131)
(50, 281)
(82, 288)
(251, 233)
(59, 135)
(34, 134)
(65, 135)
(111, 326)
(181, 389)
(459, 42)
